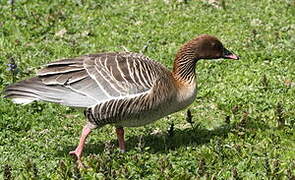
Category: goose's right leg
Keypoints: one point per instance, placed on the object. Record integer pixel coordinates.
(121, 140)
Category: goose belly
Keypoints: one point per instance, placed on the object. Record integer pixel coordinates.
(147, 117)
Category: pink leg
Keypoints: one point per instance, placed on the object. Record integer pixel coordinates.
(120, 135)
(78, 151)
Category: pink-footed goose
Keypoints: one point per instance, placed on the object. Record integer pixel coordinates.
(125, 89)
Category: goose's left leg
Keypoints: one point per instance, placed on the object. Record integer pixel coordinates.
(78, 151)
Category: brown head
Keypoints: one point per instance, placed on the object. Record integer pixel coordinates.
(207, 47)
(202, 47)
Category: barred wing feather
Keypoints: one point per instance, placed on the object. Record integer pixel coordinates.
(89, 80)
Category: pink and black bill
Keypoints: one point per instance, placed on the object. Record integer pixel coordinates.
(229, 55)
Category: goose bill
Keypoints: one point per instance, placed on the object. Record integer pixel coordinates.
(229, 55)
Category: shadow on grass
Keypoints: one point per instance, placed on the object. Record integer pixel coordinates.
(188, 137)
(159, 143)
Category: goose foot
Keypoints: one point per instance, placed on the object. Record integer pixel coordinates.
(77, 156)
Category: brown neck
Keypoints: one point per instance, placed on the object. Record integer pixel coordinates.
(184, 65)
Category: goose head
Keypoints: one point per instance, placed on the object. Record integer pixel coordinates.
(208, 47)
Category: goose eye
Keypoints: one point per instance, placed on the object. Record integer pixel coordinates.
(217, 47)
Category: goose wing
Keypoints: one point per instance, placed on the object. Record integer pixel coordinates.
(89, 80)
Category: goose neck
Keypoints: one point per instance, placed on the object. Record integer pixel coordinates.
(184, 67)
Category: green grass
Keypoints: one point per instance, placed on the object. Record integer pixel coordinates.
(243, 117)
